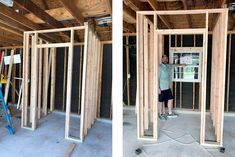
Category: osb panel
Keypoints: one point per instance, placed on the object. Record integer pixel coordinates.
(59, 14)
(48, 4)
(91, 8)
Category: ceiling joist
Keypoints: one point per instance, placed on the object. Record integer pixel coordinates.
(69, 5)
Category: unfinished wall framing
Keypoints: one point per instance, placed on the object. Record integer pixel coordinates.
(147, 46)
(39, 69)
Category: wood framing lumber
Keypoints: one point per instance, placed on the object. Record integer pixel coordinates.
(146, 73)
(69, 85)
(9, 77)
(40, 81)
(101, 49)
(127, 71)
(24, 112)
(1, 63)
(45, 78)
(69, 150)
(73, 11)
(13, 85)
(84, 71)
(40, 13)
(155, 82)
(203, 83)
(53, 80)
(34, 82)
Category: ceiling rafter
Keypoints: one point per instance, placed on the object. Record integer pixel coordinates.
(40, 13)
(135, 5)
(18, 21)
(188, 16)
(155, 7)
(73, 11)
(129, 11)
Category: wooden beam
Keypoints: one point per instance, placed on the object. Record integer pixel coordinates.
(33, 8)
(69, 150)
(188, 16)
(9, 17)
(135, 5)
(155, 7)
(129, 11)
(128, 27)
(69, 5)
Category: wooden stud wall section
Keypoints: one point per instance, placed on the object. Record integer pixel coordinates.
(43, 70)
(218, 63)
(146, 77)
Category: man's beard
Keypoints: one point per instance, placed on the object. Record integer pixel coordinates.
(165, 62)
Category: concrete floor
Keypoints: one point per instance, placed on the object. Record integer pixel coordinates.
(48, 140)
(177, 137)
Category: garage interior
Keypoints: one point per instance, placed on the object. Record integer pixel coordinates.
(56, 77)
(179, 136)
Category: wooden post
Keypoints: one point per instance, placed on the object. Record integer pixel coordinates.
(40, 82)
(84, 71)
(146, 73)
(156, 82)
(34, 82)
(100, 78)
(24, 115)
(194, 44)
(181, 45)
(128, 70)
(2, 60)
(13, 88)
(69, 85)
(203, 82)
(9, 76)
(53, 79)
(175, 93)
(45, 78)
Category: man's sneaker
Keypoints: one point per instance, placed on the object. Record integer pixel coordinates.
(162, 116)
(172, 115)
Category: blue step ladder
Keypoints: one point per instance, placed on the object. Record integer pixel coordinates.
(9, 125)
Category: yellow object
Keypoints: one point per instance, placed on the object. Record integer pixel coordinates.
(3, 79)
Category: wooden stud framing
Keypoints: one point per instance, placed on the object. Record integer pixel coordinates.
(53, 79)
(9, 76)
(127, 71)
(218, 62)
(42, 75)
(40, 81)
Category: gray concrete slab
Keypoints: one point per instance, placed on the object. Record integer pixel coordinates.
(48, 139)
(177, 137)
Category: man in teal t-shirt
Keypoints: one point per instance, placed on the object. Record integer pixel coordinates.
(164, 91)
